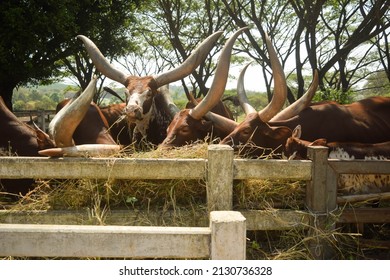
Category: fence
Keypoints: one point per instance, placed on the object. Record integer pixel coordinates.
(219, 170)
(40, 117)
(226, 227)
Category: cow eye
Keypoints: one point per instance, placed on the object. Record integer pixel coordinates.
(185, 130)
(149, 94)
(246, 131)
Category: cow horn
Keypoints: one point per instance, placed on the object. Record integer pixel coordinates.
(222, 123)
(65, 122)
(101, 63)
(89, 150)
(241, 93)
(190, 64)
(172, 108)
(219, 82)
(296, 107)
(280, 85)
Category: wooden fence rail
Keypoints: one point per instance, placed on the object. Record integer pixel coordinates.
(218, 170)
(40, 117)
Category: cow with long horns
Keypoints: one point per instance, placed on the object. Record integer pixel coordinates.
(20, 139)
(365, 121)
(149, 108)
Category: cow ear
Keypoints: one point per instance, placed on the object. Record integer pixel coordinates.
(297, 132)
(206, 125)
(43, 140)
(319, 142)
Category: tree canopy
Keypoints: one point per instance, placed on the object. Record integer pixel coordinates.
(38, 37)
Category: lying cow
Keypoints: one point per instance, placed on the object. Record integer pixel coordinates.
(296, 148)
(18, 138)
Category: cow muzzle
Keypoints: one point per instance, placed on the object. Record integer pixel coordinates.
(133, 112)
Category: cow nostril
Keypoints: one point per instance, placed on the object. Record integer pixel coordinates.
(138, 114)
(133, 112)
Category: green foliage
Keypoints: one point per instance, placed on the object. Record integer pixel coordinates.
(37, 35)
(377, 84)
(335, 95)
(39, 98)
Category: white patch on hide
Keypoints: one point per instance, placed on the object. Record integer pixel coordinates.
(375, 158)
(340, 153)
(141, 126)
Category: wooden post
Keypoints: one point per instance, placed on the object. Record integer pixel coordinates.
(42, 120)
(220, 177)
(228, 235)
(321, 194)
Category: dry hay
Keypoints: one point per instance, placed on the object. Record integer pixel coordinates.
(183, 203)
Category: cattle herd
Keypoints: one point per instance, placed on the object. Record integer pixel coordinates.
(149, 116)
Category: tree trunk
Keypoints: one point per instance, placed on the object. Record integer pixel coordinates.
(6, 92)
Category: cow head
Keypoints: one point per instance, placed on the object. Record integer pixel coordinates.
(296, 148)
(189, 125)
(20, 138)
(255, 138)
(141, 90)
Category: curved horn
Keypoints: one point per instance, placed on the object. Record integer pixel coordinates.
(295, 108)
(190, 64)
(241, 93)
(192, 99)
(280, 85)
(224, 124)
(65, 122)
(172, 108)
(89, 150)
(101, 63)
(219, 82)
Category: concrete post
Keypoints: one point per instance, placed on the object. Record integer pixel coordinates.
(220, 177)
(228, 235)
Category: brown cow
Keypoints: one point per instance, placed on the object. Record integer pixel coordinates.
(194, 124)
(296, 148)
(220, 108)
(91, 126)
(150, 109)
(365, 121)
(18, 138)
(102, 125)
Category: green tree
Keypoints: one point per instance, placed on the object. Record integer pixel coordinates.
(38, 36)
(377, 84)
(337, 37)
